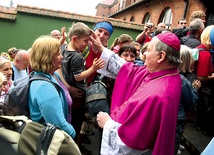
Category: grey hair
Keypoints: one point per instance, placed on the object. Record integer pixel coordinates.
(196, 25)
(172, 55)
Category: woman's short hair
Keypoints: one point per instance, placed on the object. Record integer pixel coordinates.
(4, 60)
(205, 35)
(187, 64)
(42, 53)
(127, 48)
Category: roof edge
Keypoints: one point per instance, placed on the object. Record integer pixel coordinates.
(75, 16)
(8, 13)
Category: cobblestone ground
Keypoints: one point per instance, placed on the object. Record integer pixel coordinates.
(95, 142)
(194, 140)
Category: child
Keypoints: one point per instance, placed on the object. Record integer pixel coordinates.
(127, 52)
(123, 39)
(144, 49)
(138, 61)
(73, 73)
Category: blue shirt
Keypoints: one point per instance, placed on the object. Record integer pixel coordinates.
(18, 74)
(45, 102)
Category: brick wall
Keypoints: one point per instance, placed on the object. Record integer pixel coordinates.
(155, 8)
(8, 12)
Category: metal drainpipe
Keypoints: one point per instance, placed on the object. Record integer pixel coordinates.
(185, 9)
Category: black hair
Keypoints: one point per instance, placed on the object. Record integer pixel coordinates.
(127, 48)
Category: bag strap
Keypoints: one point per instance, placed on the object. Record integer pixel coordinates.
(44, 78)
(101, 77)
(202, 49)
(98, 77)
(44, 139)
(12, 74)
(86, 51)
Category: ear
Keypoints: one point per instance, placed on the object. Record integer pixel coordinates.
(120, 44)
(74, 38)
(162, 56)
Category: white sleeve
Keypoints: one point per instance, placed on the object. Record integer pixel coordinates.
(113, 63)
(112, 144)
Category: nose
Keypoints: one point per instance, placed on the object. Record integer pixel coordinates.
(129, 58)
(10, 72)
(101, 35)
(61, 56)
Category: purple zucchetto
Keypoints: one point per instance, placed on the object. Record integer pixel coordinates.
(170, 39)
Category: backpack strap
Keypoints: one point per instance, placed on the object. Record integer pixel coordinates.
(44, 139)
(101, 77)
(12, 74)
(44, 78)
(202, 49)
(86, 51)
(98, 77)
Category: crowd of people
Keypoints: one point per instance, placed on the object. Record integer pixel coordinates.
(156, 83)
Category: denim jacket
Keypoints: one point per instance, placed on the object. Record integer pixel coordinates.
(189, 97)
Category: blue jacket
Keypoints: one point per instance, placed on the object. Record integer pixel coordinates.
(46, 102)
(139, 62)
(189, 97)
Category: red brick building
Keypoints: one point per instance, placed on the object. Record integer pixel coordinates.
(141, 11)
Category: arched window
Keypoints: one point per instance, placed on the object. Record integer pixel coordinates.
(146, 18)
(132, 19)
(210, 20)
(166, 17)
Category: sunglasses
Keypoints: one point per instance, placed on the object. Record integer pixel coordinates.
(14, 50)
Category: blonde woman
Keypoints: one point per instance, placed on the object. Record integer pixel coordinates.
(204, 72)
(6, 69)
(189, 95)
(2, 81)
(46, 103)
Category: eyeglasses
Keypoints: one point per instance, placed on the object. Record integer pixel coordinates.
(183, 23)
(55, 35)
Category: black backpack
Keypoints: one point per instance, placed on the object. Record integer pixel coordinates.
(17, 97)
(97, 97)
(180, 32)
